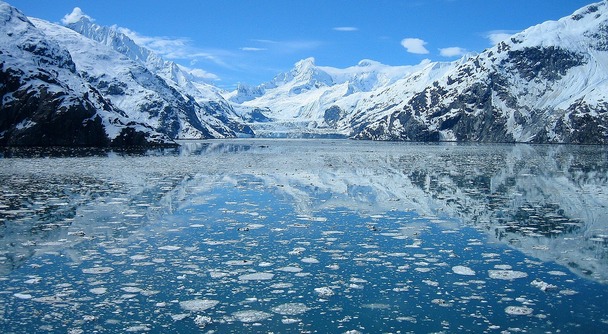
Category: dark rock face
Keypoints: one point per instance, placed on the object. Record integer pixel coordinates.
(332, 115)
(547, 63)
(488, 108)
(45, 101)
(257, 115)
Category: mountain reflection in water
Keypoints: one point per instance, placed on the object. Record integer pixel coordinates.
(306, 236)
(547, 201)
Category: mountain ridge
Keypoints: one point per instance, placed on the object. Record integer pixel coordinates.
(546, 84)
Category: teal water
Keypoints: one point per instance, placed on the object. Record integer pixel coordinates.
(319, 236)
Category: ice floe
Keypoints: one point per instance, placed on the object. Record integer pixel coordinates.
(544, 286)
(251, 316)
(198, 305)
(324, 292)
(506, 274)
(98, 291)
(97, 270)
(462, 270)
(256, 277)
(518, 310)
(202, 321)
(290, 308)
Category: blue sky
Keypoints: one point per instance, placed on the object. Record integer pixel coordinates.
(252, 41)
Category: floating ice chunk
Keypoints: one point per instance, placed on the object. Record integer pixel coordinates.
(376, 306)
(290, 269)
(297, 251)
(179, 317)
(97, 270)
(138, 328)
(518, 310)
(98, 291)
(256, 277)
(289, 321)
(462, 270)
(202, 321)
(169, 248)
(430, 283)
(506, 274)
(198, 305)
(310, 260)
(251, 316)
(544, 286)
(218, 274)
(441, 302)
(131, 289)
(48, 299)
(138, 257)
(239, 263)
(567, 292)
(557, 273)
(281, 285)
(324, 292)
(22, 296)
(290, 309)
(503, 266)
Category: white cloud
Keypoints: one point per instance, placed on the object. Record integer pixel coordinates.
(178, 48)
(497, 36)
(248, 48)
(289, 46)
(203, 75)
(346, 29)
(414, 45)
(452, 51)
(75, 16)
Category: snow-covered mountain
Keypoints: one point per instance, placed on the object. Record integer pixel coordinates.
(215, 114)
(546, 84)
(46, 102)
(56, 81)
(313, 99)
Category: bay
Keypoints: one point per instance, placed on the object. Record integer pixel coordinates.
(348, 236)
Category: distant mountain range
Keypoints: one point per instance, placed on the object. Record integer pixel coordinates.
(89, 85)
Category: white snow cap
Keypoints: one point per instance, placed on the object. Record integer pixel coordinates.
(75, 16)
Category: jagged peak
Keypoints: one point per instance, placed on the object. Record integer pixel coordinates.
(305, 63)
(597, 8)
(76, 16)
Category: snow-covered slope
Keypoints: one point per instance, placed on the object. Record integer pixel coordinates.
(548, 83)
(46, 102)
(210, 108)
(313, 99)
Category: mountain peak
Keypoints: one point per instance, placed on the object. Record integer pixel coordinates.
(304, 64)
(75, 16)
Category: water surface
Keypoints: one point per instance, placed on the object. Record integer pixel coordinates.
(320, 236)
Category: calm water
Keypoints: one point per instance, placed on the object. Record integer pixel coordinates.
(311, 236)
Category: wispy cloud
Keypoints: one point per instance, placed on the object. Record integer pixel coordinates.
(292, 46)
(178, 48)
(453, 51)
(346, 29)
(497, 36)
(414, 45)
(253, 49)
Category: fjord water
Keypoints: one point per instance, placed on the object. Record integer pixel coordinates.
(321, 236)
